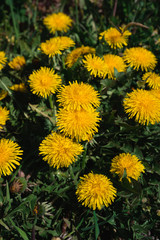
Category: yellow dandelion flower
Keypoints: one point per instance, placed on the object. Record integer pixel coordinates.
(129, 163)
(113, 61)
(3, 59)
(59, 151)
(95, 65)
(17, 63)
(142, 105)
(77, 96)
(156, 93)
(3, 94)
(95, 191)
(56, 45)
(114, 38)
(58, 22)
(139, 57)
(44, 82)
(19, 88)
(10, 153)
(153, 80)
(4, 116)
(81, 125)
(77, 53)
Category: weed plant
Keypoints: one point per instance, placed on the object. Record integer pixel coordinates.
(44, 182)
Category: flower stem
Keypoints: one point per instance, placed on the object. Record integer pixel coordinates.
(84, 156)
(77, 20)
(51, 102)
(97, 231)
(72, 175)
(53, 106)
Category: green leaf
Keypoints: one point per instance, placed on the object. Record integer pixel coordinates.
(5, 83)
(19, 230)
(4, 225)
(96, 225)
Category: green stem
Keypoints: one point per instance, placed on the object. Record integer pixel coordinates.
(72, 175)
(53, 107)
(97, 231)
(77, 19)
(10, 2)
(84, 156)
(51, 103)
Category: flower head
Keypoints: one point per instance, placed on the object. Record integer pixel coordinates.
(3, 94)
(17, 63)
(128, 162)
(95, 65)
(95, 191)
(153, 80)
(142, 105)
(4, 116)
(156, 93)
(3, 59)
(10, 153)
(19, 87)
(114, 38)
(139, 57)
(59, 151)
(44, 82)
(56, 45)
(78, 124)
(77, 53)
(78, 96)
(58, 22)
(112, 61)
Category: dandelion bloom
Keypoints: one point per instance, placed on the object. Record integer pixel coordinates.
(156, 93)
(152, 79)
(56, 45)
(17, 63)
(59, 151)
(44, 82)
(3, 94)
(113, 61)
(77, 53)
(114, 38)
(95, 65)
(95, 191)
(4, 116)
(129, 163)
(139, 57)
(142, 105)
(77, 96)
(58, 22)
(9, 156)
(78, 124)
(19, 87)
(3, 59)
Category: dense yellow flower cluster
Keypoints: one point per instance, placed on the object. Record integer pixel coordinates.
(58, 22)
(59, 151)
(115, 38)
(17, 63)
(78, 117)
(95, 191)
(10, 155)
(77, 53)
(129, 163)
(56, 45)
(44, 82)
(3, 59)
(143, 105)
